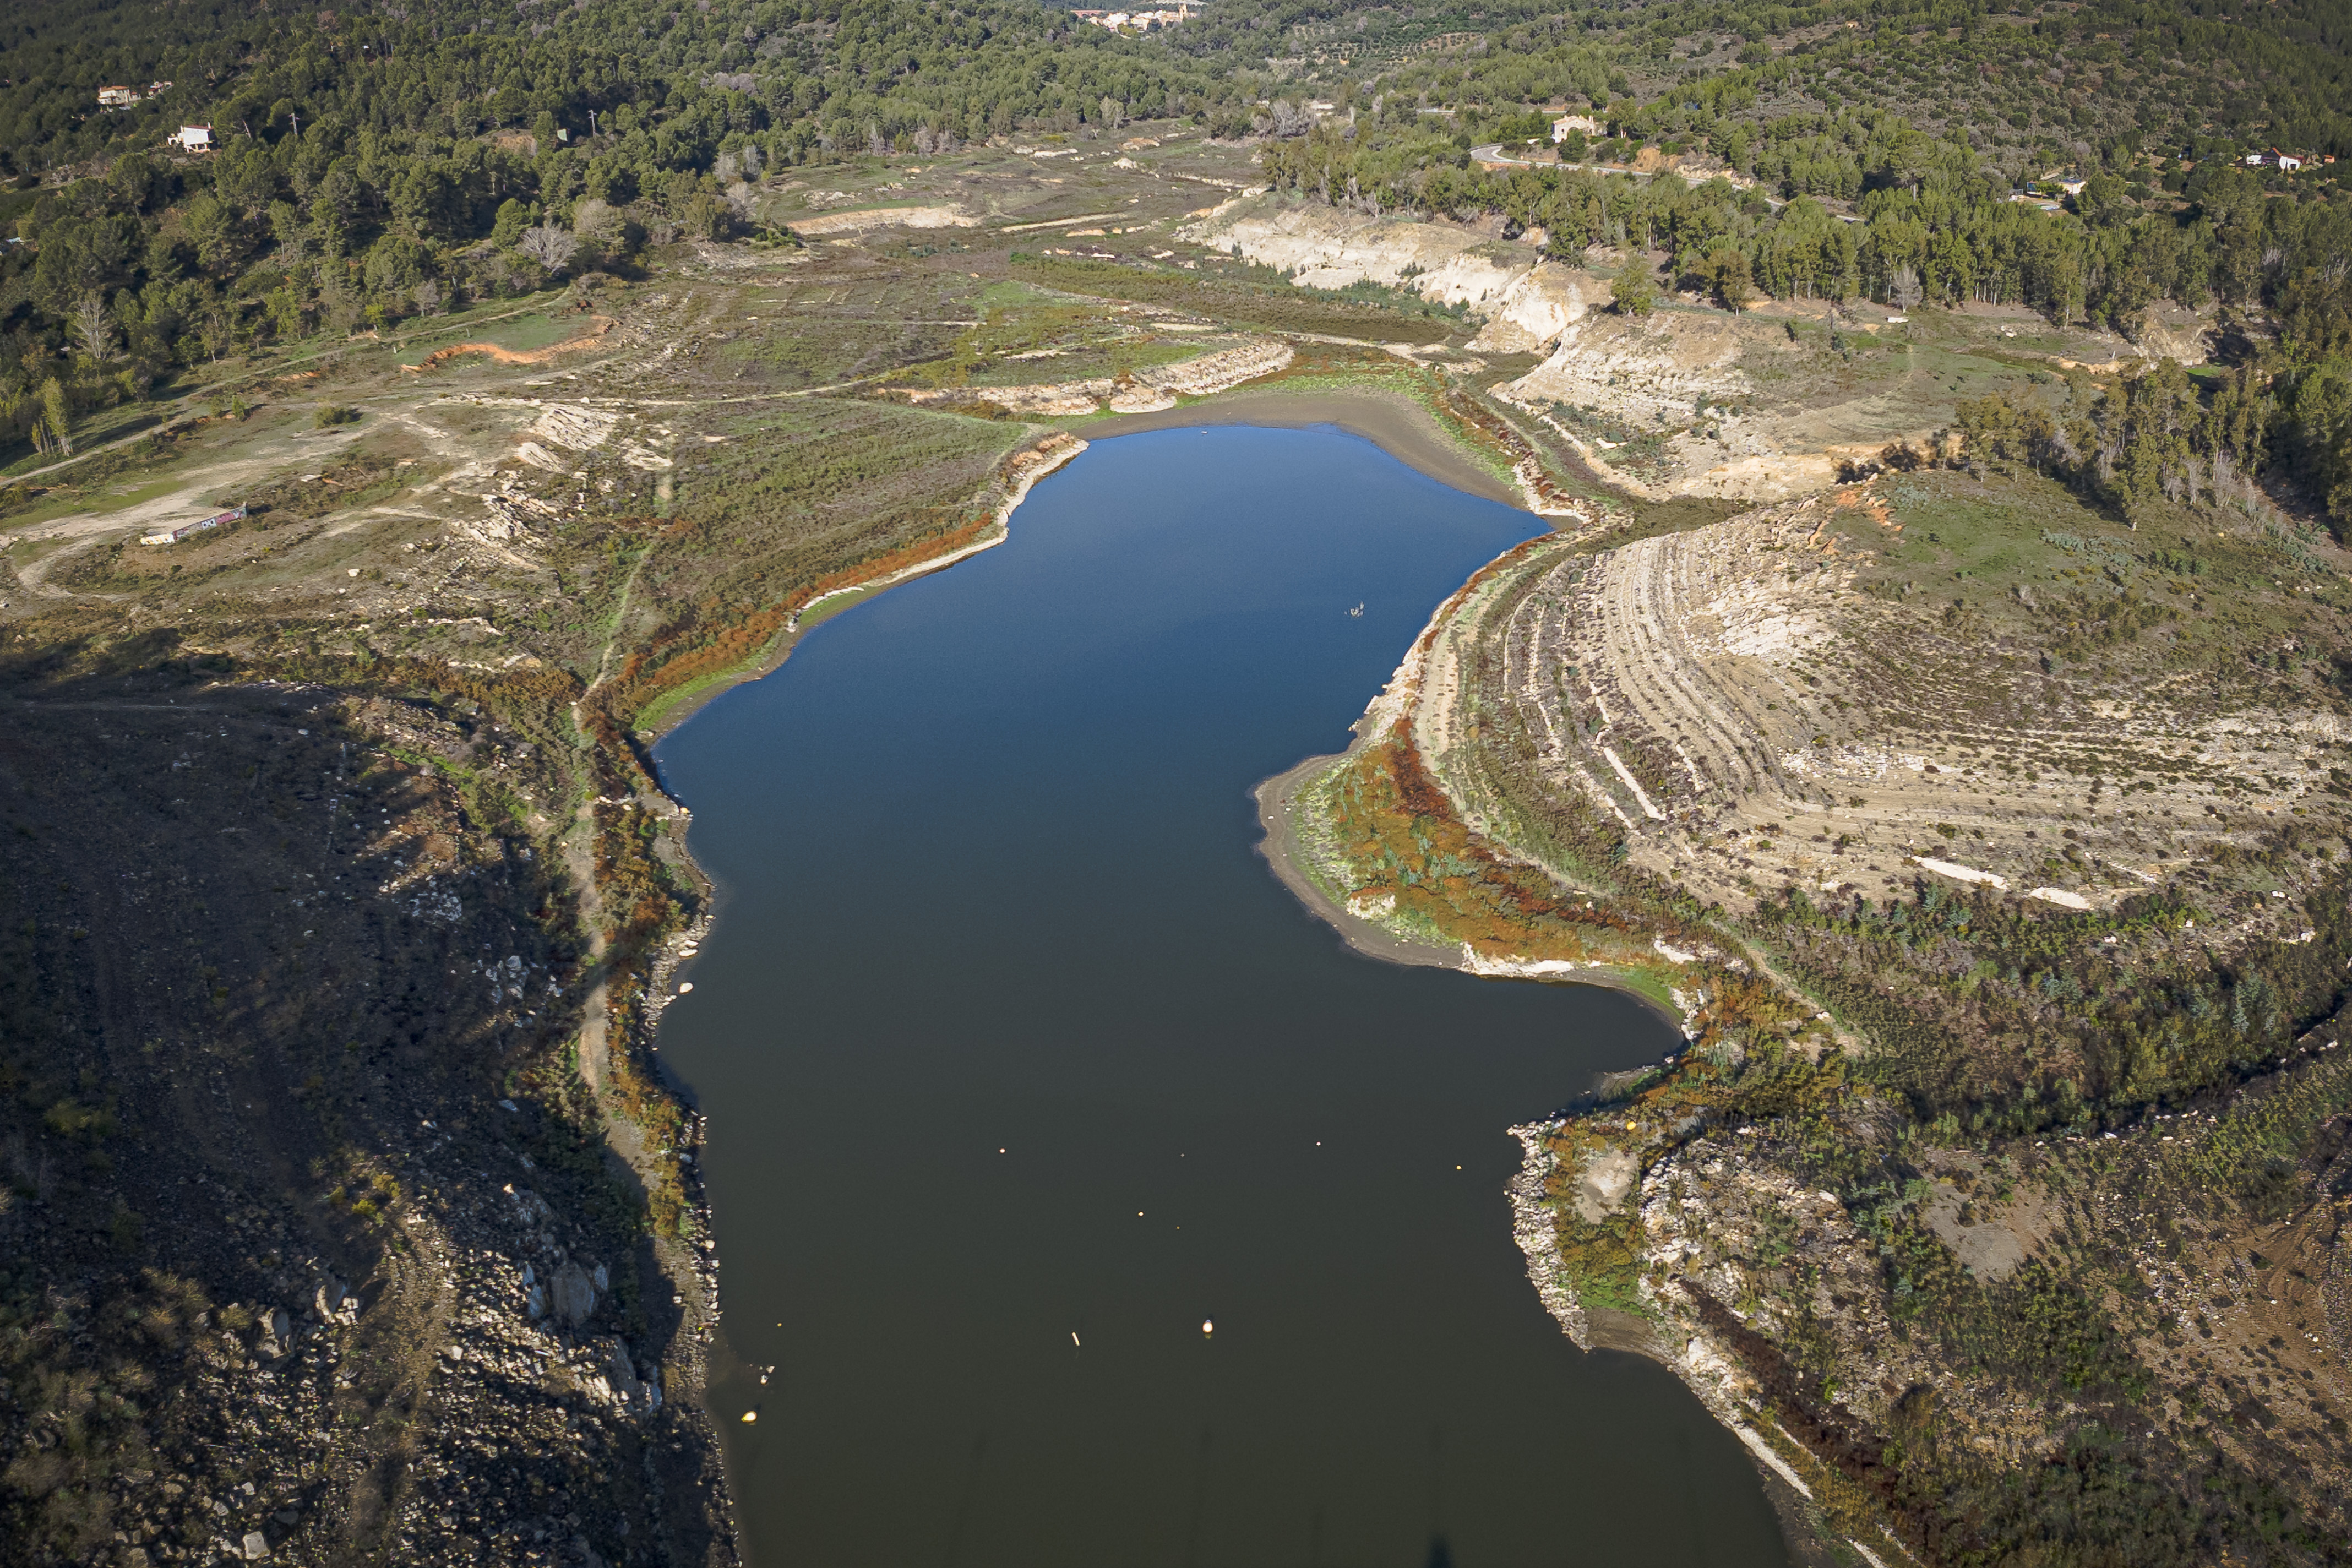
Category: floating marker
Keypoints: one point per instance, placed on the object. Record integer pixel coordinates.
(1208, 1327)
(688, 986)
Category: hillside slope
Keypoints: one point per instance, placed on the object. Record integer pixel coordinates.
(1996, 1193)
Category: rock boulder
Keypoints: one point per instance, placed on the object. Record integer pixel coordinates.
(571, 1295)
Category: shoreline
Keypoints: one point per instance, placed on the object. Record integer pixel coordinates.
(664, 963)
(1405, 431)
(1588, 1328)
(1278, 848)
(1396, 701)
(1810, 1545)
(772, 657)
(1001, 530)
(1399, 428)
(1396, 425)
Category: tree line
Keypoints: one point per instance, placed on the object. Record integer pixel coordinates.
(1929, 221)
(2286, 409)
(378, 165)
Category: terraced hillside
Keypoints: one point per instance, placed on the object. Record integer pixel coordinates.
(1992, 853)
(1774, 700)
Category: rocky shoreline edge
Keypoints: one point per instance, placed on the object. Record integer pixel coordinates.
(1281, 806)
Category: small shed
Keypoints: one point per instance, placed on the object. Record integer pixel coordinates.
(194, 139)
(173, 535)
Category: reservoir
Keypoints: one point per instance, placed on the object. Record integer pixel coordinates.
(1022, 1066)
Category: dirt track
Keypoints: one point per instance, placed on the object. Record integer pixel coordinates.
(515, 356)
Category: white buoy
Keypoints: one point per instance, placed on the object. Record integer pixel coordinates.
(1208, 1327)
(688, 986)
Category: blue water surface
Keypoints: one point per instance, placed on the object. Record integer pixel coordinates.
(1021, 1065)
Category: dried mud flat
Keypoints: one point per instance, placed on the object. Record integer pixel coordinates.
(1390, 421)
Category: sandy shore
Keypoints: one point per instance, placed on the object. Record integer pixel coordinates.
(1280, 848)
(1395, 424)
(1276, 814)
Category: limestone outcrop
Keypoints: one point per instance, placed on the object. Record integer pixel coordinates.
(1525, 301)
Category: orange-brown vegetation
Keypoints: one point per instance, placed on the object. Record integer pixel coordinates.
(439, 357)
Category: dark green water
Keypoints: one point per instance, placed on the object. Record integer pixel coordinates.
(1006, 1034)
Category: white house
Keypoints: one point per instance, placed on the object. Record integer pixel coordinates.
(1568, 122)
(194, 139)
(117, 97)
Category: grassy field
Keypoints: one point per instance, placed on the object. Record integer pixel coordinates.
(1268, 306)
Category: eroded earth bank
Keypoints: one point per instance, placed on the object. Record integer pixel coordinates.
(1995, 1189)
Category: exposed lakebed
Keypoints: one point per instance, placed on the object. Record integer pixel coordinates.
(1020, 1065)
